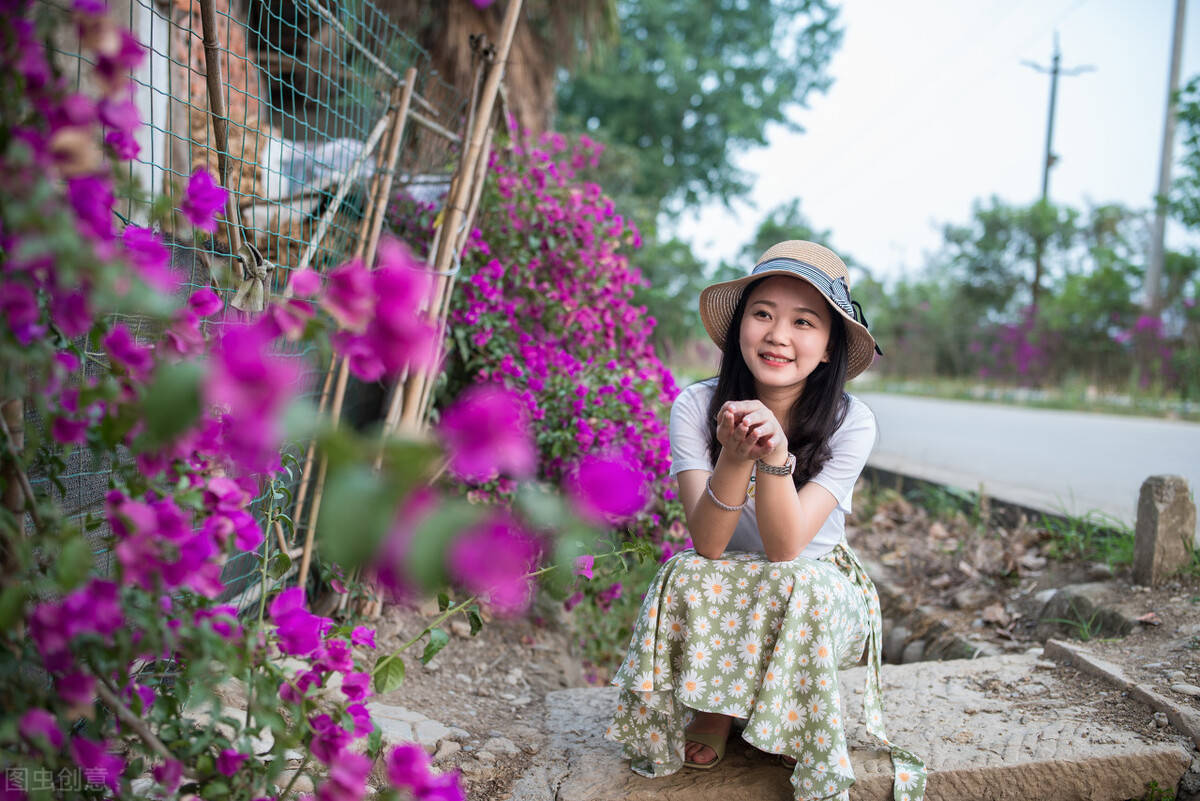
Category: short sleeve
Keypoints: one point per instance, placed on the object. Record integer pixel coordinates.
(689, 435)
(851, 445)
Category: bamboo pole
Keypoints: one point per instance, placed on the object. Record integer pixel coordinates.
(375, 214)
(456, 209)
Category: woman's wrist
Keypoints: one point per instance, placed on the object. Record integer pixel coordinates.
(779, 456)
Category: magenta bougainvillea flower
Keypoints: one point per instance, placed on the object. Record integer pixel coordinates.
(169, 774)
(147, 252)
(361, 635)
(91, 197)
(18, 306)
(348, 295)
(204, 302)
(493, 559)
(607, 489)
(583, 565)
(299, 630)
(97, 763)
(408, 766)
(356, 686)
(305, 283)
(40, 727)
(203, 201)
(335, 655)
(123, 120)
(329, 739)
(229, 761)
(486, 433)
(136, 359)
(362, 719)
(347, 779)
(76, 689)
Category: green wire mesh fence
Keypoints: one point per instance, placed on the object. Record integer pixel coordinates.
(306, 91)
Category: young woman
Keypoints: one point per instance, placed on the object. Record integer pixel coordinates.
(756, 620)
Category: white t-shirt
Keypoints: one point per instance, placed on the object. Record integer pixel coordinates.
(850, 444)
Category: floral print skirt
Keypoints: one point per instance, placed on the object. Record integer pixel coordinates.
(761, 641)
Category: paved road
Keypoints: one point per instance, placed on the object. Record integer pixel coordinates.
(1058, 461)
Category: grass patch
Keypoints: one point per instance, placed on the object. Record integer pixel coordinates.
(1095, 536)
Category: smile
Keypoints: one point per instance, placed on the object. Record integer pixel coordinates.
(771, 358)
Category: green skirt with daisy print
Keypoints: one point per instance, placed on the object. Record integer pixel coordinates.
(761, 641)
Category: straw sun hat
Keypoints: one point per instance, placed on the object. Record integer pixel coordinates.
(809, 262)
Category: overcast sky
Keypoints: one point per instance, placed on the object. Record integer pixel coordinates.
(931, 107)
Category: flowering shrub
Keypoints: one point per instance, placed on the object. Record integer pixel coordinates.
(124, 674)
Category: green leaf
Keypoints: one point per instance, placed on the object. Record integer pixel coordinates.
(374, 742)
(388, 674)
(443, 601)
(474, 618)
(74, 563)
(543, 509)
(12, 600)
(425, 561)
(171, 404)
(437, 641)
(279, 565)
(357, 513)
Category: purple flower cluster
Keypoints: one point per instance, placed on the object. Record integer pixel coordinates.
(382, 312)
(545, 307)
(408, 766)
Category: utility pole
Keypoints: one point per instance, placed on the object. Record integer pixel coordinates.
(1154, 263)
(1055, 70)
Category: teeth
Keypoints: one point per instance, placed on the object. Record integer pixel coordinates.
(776, 360)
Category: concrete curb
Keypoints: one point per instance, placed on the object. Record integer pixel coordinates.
(1185, 721)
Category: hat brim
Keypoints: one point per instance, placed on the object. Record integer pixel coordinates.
(718, 302)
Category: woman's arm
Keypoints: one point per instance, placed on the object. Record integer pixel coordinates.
(711, 526)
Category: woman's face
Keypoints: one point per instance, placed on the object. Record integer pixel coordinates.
(784, 333)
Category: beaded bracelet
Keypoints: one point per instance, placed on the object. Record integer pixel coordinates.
(720, 505)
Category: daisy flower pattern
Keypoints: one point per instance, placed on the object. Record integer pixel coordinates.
(761, 641)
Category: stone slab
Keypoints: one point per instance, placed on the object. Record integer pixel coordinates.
(997, 728)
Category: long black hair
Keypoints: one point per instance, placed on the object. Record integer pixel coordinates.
(814, 416)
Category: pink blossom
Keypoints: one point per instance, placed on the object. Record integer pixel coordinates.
(299, 630)
(203, 200)
(96, 762)
(204, 302)
(295, 694)
(362, 719)
(363, 636)
(335, 655)
(347, 779)
(486, 433)
(18, 306)
(355, 686)
(328, 739)
(168, 774)
(408, 766)
(92, 198)
(607, 489)
(348, 295)
(493, 558)
(305, 283)
(583, 565)
(71, 313)
(147, 252)
(127, 353)
(573, 601)
(39, 726)
(122, 117)
(76, 689)
(229, 761)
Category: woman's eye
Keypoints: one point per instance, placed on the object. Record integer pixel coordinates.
(762, 315)
(803, 322)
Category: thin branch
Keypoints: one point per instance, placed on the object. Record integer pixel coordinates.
(26, 488)
(109, 697)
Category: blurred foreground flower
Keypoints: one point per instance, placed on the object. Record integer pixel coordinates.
(493, 558)
(607, 489)
(486, 433)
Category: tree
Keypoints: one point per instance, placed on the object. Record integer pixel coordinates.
(690, 83)
(1185, 192)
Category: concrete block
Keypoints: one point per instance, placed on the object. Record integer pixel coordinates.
(1166, 529)
(977, 741)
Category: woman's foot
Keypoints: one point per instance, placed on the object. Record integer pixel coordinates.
(705, 723)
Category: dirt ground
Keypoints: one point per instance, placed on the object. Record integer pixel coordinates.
(996, 584)
(492, 685)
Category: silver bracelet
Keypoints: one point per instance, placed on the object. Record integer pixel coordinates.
(720, 505)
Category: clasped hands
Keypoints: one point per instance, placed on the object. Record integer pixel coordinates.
(749, 430)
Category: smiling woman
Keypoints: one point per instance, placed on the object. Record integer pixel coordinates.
(755, 622)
